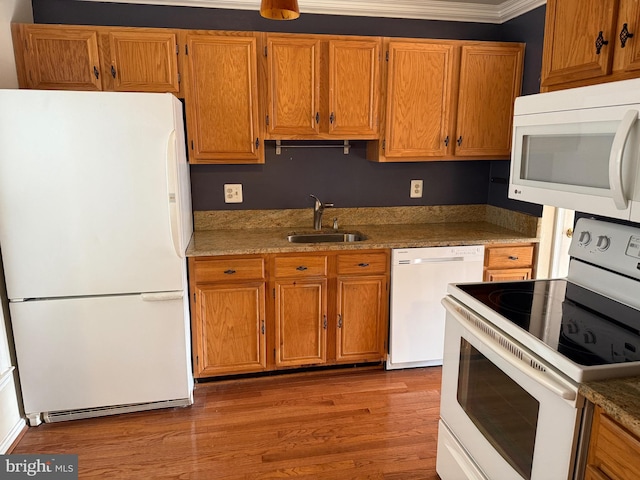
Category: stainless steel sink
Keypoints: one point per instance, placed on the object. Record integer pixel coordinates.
(323, 237)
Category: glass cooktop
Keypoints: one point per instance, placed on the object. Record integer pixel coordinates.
(585, 327)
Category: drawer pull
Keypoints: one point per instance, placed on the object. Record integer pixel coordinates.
(513, 257)
(229, 272)
(301, 268)
(363, 265)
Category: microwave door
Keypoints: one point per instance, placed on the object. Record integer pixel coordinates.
(565, 159)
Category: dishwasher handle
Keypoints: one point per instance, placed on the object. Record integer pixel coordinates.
(418, 261)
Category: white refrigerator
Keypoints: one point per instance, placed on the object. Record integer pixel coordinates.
(95, 218)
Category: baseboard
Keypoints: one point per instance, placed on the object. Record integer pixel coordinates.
(13, 437)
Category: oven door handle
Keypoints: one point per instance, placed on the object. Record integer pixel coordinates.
(509, 351)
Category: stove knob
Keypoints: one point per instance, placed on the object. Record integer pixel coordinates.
(585, 238)
(603, 243)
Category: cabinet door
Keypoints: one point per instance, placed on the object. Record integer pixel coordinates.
(361, 319)
(221, 99)
(301, 322)
(294, 85)
(419, 99)
(143, 61)
(490, 80)
(572, 28)
(230, 329)
(626, 56)
(354, 85)
(64, 58)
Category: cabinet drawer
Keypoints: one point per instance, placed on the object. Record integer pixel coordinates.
(509, 256)
(301, 266)
(614, 451)
(364, 263)
(228, 269)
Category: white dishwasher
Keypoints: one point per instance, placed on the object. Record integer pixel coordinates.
(419, 279)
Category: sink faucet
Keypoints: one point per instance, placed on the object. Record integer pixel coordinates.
(318, 209)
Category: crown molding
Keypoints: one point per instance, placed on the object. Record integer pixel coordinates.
(414, 9)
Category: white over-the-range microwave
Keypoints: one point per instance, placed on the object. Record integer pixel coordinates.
(579, 149)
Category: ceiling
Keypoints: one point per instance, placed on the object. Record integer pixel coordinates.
(483, 11)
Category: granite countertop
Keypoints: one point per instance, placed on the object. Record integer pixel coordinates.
(619, 398)
(260, 232)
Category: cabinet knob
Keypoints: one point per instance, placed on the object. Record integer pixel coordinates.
(229, 272)
(459, 141)
(301, 268)
(446, 141)
(600, 42)
(513, 257)
(363, 265)
(324, 323)
(95, 72)
(332, 117)
(317, 117)
(339, 320)
(624, 35)
(113, 71)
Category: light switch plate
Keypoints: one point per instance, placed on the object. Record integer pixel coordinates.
(232, 193)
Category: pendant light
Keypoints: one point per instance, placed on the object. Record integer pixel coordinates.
(280, 9)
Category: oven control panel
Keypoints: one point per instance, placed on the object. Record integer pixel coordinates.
(609, 245)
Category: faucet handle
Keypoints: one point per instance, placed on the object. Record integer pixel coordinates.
(318, 202)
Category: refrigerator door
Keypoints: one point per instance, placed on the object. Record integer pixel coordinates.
(90, 183)
(93, 352)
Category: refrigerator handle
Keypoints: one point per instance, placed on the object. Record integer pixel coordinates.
(161, 296)
(172, 184)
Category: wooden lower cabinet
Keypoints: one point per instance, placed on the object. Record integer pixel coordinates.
(614, 452)
(282, 311)
(508, 262)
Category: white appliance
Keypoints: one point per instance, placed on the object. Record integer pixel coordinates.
(579, 149)
(419, 278)
(516, 352)
(95, 218)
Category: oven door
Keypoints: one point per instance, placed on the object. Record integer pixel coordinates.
(510, 415)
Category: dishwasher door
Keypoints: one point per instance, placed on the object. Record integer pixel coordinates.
(419, 279)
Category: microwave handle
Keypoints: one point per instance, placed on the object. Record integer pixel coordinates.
(615, 158)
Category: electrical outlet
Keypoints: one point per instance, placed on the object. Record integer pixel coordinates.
(416, 189)
(232, 193)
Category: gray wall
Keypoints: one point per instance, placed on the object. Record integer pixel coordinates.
(286, 181)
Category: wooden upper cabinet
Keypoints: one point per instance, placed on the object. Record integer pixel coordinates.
(222, 99)
(293, 85)
(354, 87)
(626, 57)
(572, 29)
(143, 61)
(485, 104)
(58, 57)
(322, 87)
(420, 94)
(449, 100)
(72, 57)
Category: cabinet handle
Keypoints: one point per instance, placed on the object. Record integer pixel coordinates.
(600, 42)
(317, 117)
(262, 327)
(113, 71)
(513, 257)
(332, 117)
(257, 143)
(339, 320)
(230, 272)
(363, 265)
(624, 35)
(301, 268)
(324, 323)
(459, 141)
(95, 72)
(446, 141)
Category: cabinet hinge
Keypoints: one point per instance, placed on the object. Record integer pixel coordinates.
(191, 144)
(179, 79)
(383, 144)
(387, 56)
(186, 49)
(265, 50)
(267, 119)
(194, 296)
(177, 49)
(197, 360)
(274, 293)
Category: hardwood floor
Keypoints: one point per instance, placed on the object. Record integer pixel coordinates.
(346, 424)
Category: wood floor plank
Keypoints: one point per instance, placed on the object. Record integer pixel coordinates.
(346, 425)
